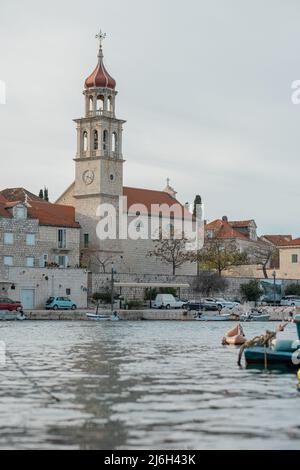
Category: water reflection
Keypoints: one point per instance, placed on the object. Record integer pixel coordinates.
(140, 385)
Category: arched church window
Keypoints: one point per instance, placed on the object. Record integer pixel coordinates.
(95, 140)
(85, 141)
(109, 103)
(104, 139)
(100, 103)
(114, 142)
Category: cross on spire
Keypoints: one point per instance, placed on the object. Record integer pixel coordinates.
(100, 36)
(168, 181)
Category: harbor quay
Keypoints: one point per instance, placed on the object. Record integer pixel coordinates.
(276, 314)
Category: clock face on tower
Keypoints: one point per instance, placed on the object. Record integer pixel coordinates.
(88, 177)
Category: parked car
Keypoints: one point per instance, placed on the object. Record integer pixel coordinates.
(292, 300)
(167, 301)
(205, 304)
(269, 299)
(60, 303)
(226, 303)
(11, 305)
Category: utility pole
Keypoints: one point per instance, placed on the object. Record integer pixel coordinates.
(274, 288)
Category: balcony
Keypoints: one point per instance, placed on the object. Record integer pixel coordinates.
(99, 112)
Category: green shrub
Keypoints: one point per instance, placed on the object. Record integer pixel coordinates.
(168, 290)
(251, 291)
(150, 294)
(134, 304)
(292, 289)
(102, 296)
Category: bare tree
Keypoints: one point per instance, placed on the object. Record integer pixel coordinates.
(94, 258)
(263, 254)
(171, 250)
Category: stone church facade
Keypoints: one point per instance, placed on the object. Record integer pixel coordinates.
(99, 181)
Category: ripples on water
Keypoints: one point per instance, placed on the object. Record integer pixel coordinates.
(141, 385)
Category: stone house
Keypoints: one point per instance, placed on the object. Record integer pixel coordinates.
(36, 233)
(289, 260)
(242, 233)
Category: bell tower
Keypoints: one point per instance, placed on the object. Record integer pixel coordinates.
(99, 160)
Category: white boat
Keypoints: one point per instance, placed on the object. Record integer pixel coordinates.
(103, 316)
(255, 316)
(224, 317)
(6, 315)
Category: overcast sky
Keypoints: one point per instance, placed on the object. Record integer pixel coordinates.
(204, 85)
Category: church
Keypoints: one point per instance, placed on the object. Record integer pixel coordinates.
(98, 184)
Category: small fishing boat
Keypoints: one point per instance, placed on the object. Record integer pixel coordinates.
(266, 350)
(6, 315)
(103, 316)
(234, 336)
(222, 317)
(255, 315)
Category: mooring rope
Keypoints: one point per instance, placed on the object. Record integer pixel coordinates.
(262, 340)
(31, 379)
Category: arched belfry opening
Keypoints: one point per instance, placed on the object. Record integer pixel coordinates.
(114, 142)
(100, 104)
(85, 141)
(96, 140)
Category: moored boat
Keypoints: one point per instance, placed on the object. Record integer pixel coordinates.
(255, 316)
(6, 315)
(103, 316)
(221, 317)
(270, 351)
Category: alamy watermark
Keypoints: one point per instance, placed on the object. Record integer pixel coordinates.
(151, 222)
(2, 92)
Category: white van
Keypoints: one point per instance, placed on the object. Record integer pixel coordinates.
(292, 300)
(167, 301)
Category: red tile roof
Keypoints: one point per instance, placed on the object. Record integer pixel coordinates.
(278, 240)
(223, 229)
(149, 197)
(241, 223)
(55, 215)
(19, 194)
(295, 242)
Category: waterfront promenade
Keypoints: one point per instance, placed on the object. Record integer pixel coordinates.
(277, 314)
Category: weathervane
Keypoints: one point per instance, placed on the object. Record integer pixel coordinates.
(100, 36)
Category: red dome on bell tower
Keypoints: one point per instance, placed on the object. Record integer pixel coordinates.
(100, 78)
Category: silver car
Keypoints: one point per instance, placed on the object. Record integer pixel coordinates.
(226, 303)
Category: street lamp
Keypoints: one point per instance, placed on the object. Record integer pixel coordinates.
(112, 287)
(274, 288)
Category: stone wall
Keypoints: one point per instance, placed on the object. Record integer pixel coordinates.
(101, 283)
(45, 283)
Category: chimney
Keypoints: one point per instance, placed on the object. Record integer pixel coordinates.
(225, 218)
